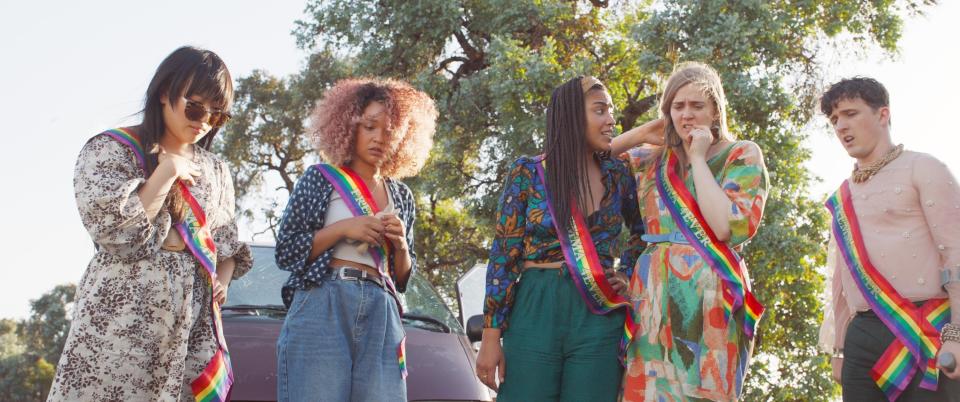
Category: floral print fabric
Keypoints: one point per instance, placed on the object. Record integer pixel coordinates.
(525, 231)
(142, 326)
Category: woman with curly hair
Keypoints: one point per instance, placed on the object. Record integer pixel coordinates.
(346, 238)
(551, 274)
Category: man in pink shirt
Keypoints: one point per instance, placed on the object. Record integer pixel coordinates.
(895, 258)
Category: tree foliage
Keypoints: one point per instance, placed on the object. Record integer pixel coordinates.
(29, 349)
(491, 65)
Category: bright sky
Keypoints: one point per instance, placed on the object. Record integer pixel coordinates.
(73, 69)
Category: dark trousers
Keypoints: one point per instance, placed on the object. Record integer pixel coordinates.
(556, 350)
(866, 340)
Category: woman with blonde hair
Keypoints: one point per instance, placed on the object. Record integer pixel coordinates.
(346, 237)
(701, 195)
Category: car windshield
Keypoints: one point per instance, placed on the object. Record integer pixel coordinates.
(259, 291)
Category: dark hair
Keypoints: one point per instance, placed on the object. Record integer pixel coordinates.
(186, 72)
(566, 167)
(369, 93)
(868, 89)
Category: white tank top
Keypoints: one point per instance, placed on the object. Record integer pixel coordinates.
(348, 249)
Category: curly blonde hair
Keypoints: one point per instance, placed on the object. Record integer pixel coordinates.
(412, 119)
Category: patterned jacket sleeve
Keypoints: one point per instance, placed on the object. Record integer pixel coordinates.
(630, 210)
(506, 252)
(746, 184)
(105, 182)
(304, 216)
(225, 235)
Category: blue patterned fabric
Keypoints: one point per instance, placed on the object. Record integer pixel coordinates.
(525, 231)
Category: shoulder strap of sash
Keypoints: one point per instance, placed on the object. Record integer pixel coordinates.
(360, 201)
(718, 255)
(900, 315)
(216, 379)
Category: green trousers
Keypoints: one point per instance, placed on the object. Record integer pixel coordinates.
(555, 349)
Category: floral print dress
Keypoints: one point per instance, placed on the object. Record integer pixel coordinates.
(142, 327)
(684, 349)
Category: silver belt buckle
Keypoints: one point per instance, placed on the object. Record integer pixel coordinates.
(342, 274)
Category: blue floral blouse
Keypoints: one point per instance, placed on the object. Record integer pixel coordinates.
(304, 216)
(525, 231)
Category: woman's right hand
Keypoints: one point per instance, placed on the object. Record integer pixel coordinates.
(491, 365)
(652, 131)
(178, 167)
(367, 229)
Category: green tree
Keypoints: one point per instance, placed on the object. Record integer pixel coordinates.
(45, 332)
(265, 142)
(491, 65)
(27, 348)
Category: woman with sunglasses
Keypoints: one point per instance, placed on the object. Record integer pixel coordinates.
(159, 207)
(347, 239)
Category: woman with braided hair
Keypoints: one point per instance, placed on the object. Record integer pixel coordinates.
(551, 274)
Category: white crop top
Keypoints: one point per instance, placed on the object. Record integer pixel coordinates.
(348, 249)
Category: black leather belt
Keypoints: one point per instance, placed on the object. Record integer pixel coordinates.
(354, 274)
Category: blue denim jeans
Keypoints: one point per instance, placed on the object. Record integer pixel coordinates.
(339, 342)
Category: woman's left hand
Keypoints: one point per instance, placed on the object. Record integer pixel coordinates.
(700, 140)
(395, 231)
(220, 291)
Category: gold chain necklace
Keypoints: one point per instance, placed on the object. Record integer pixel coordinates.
(862, 174)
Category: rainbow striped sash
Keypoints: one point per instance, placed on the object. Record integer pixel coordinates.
(584, 265)
(215, 380)
(360, 202)
(718, 255)
(917, 330)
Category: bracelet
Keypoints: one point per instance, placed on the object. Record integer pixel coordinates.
(950, 333)
(837, 352)
(949, 275)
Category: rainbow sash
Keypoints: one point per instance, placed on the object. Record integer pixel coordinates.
(718, 255)
(360, 202)
(917, 329)
(585, 268)
(402, 357)
(215, 380)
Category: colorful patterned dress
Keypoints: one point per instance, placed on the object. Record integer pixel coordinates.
(684, 348)
(142, 328)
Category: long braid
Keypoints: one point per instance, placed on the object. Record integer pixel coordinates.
(566, 167)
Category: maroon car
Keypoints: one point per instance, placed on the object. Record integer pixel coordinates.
(440, 357)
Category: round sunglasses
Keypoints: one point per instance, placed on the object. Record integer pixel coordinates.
(195, 111)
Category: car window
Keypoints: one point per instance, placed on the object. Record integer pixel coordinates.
(423, 300)
(261, 287)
